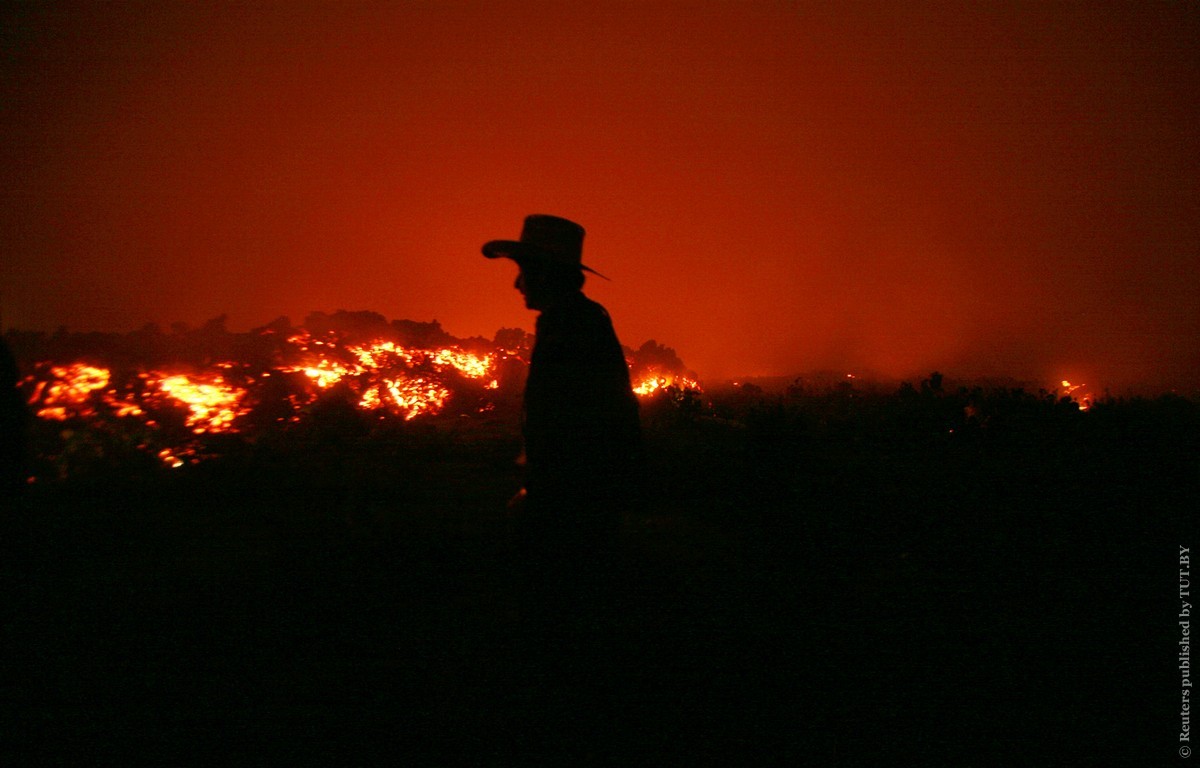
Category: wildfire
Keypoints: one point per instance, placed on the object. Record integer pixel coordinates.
(325, 373)
(654, 382)
(386, 374)
(70, 393)
(467, 364)
(381, 354)
(212, 404)
(409, 397)
(384, 377)
(1084, 401)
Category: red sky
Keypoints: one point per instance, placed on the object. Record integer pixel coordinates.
(773, 187)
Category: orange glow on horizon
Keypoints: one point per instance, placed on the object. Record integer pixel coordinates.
(798, 187)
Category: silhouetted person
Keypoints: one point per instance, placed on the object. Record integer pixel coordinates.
(580, 426)
(14, 426)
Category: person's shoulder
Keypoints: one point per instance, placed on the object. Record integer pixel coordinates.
(578, 310)
(593, 317)
(588, 308)
(577, 318)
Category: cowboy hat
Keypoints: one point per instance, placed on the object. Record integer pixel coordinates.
(549, 240)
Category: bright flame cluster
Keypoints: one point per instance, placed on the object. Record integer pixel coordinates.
(325, 373)
(1083, 400)
(388, 373)
(212, 404)
(73, 390)
(411, 397)
(654, 382)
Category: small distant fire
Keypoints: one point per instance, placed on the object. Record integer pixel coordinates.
(655, 382)
(1084, 399)
(382, 377)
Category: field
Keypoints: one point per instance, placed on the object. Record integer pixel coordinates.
(818, 577)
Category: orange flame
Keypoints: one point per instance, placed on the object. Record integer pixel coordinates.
(408, 397)
(213, 404)
(385, 377)
(70, 394)
(325, 373)
(1084, 401)
(469, 365)
(654, 382)
(383, 371)
(170, 458)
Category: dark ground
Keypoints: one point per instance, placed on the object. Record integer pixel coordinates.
(822, 583)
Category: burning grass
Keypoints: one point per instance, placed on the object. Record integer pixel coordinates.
(176, 397)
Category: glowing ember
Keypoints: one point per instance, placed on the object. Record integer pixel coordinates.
(123, 408)
(170, 459)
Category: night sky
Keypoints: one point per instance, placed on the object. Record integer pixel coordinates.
(1004, 189)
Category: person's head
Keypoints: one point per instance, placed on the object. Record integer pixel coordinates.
(549, 255)
(544, 284)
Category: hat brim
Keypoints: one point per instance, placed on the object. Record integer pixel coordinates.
(512, 249)
(519, 252)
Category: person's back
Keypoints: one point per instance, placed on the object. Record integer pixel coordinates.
(581, 425)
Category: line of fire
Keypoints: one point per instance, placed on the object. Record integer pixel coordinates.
(185, 396)
(174, 396)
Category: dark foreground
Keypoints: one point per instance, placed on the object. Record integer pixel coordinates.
(800, 587)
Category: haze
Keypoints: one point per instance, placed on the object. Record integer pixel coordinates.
(773, 187)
